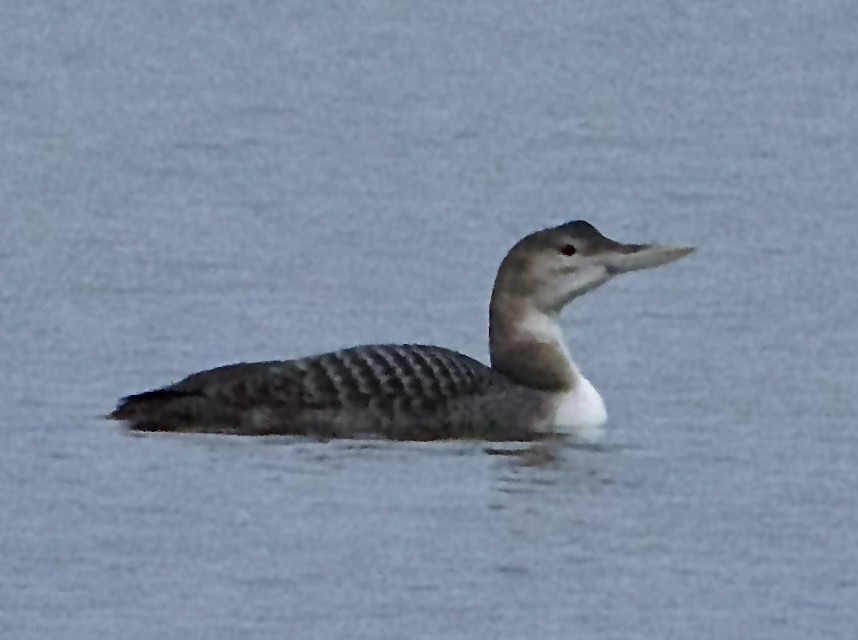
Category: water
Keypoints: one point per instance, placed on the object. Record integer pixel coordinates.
(190, 184)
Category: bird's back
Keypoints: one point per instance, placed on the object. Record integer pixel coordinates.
(411, 392)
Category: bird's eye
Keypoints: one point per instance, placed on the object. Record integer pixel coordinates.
(568, 250)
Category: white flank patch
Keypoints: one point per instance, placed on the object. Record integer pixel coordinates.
(581, 412)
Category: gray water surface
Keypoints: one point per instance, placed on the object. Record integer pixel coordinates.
(189, 184)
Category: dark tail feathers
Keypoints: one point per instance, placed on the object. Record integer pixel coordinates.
(139, 406)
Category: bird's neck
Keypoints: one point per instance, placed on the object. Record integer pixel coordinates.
(527, 345)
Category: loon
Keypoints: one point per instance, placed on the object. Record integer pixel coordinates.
(532, 389)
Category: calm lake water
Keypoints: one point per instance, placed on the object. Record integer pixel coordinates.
(189, 184)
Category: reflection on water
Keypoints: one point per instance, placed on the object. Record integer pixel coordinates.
(552, 464)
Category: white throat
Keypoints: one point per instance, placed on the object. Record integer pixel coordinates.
(580, 411)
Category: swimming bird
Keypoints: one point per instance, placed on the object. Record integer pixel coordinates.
(418, 392)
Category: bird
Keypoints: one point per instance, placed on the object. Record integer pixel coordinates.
(532, 389)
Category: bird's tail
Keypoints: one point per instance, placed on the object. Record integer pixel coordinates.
(154, 410)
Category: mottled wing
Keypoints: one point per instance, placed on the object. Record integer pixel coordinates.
(369, 387)
(386, 375)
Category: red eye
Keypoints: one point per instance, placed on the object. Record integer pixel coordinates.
(569, 250)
